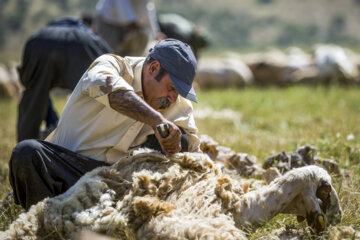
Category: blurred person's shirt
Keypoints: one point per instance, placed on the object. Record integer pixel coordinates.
(125, 12)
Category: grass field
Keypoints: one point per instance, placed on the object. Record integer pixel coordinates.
(259, 122)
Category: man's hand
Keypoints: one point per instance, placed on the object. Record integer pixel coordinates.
(128, 103)
(172, 143)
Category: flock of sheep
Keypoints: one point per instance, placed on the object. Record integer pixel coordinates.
(327, 64)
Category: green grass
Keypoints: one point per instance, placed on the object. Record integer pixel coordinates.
(7, 140)
(282, 119)
(276, 119)
(270, 120)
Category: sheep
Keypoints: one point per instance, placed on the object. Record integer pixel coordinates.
(147, 195)
(335, 64)
(272, 67)
(224, 72)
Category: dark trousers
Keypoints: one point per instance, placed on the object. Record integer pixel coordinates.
(51, 116)
(39, 169)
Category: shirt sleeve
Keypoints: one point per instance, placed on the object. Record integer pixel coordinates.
(194, 141)
(105, 75)
(188, 124)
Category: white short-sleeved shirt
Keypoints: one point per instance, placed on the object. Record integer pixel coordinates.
(89, 126)
(123, 12)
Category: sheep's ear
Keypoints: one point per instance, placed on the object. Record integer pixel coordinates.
(300, 219)
(323, 193)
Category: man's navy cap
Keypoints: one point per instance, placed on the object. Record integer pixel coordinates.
(179, 61)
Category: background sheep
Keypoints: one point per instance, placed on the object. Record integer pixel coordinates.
(185, 196)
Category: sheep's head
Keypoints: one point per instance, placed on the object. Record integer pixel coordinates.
(329, 213)
(329, 204)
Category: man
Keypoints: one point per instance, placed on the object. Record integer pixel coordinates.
(114, 109)
(55, 56)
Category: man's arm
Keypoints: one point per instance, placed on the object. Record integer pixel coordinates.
(128, 103)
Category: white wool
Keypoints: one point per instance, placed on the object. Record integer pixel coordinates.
(186, 196)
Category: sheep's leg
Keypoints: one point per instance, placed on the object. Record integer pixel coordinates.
(306, 192)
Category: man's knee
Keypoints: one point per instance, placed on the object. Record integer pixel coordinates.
(23, 155)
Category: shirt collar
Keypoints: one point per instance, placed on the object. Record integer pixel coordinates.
(137, 78)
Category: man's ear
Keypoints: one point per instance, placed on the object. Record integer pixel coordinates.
(154, 68)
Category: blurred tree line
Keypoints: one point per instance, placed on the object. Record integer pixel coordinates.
(240, 29)
(227, 28)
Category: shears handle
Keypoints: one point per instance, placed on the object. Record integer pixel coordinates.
(163, 130)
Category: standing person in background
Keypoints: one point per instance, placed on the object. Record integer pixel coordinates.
(55, 56)
(127, 25)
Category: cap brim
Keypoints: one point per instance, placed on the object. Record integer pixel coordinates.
(185, 90)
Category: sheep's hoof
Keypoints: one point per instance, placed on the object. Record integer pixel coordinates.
(317, 222)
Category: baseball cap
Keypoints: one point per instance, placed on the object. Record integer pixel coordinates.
(179, 61)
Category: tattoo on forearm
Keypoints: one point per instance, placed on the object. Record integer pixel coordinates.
(128, 103)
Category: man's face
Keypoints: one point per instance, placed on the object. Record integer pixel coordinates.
(158, 94)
